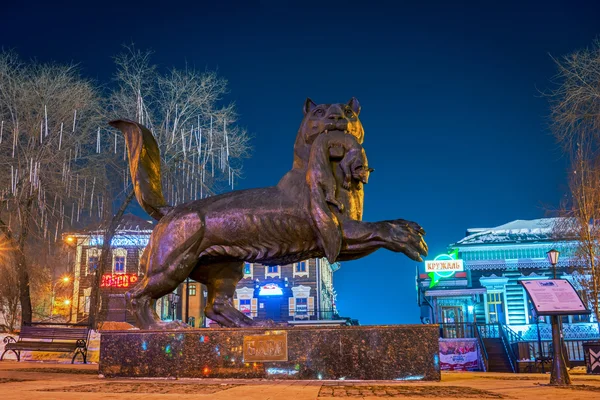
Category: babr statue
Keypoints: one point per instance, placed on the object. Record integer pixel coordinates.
(208, 240)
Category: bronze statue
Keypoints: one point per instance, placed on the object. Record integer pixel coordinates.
(209, 239)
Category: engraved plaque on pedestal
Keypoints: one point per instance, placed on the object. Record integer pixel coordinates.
(265, 348)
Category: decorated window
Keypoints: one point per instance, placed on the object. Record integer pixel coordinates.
(245, 306)
(119, 264)
(245, 302)
(495, 307)
(93, 257)
(119, 261)
(92, 264)
(301, 269)
(272, 271)
(301, 306)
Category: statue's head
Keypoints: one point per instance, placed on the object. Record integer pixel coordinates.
(322, 118)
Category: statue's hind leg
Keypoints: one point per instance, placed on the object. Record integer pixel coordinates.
(165, 271)
(221, 280)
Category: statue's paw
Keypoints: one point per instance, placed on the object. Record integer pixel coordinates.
(407, 237)
(265, 323)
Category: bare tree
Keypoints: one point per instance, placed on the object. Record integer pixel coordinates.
(9, 289)
(49, 118)
(200, 143)
(575, 107)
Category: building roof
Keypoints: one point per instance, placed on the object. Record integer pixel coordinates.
(518, 231)
(129, 224)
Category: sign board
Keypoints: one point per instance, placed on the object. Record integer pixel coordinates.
(459, 355)
(118, 280)
(554, 297)
(265, 348)
(444, 266)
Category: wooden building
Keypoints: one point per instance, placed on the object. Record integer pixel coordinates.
(487, 293)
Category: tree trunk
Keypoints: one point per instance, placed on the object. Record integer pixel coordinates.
(105, 260)
(22, 266)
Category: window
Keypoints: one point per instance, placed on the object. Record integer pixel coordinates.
(495, 308)
(192, 290)
(272, 271)
(120, 264)
(119, 261)
(92, 264)
(245, 306)
(248, 270)
(301, 305)
(301, 266)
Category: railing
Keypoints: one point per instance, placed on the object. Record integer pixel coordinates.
(522, 346)
(482, 349)
(489, 331)
(469, 330)
(504, 335)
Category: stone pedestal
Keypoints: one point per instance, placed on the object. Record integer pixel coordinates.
(396, 352)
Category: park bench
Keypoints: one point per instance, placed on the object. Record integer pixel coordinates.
(59, 339)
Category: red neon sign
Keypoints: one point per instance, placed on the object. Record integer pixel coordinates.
(118, 280)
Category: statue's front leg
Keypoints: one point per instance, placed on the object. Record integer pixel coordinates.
(362, 238)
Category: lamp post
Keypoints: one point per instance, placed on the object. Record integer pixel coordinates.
(64, 279)
(173, 299)
(559, 375)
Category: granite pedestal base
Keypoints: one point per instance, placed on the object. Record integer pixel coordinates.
(396, 352)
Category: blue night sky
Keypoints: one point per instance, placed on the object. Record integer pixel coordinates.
(455, 124)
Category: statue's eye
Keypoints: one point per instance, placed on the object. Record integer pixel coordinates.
(319, 112)
(349, 112)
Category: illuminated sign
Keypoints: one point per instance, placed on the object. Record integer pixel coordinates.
(270, 289)
(120, 240)
(118, 280)
(443, 266)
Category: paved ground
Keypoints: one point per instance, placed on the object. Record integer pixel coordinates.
(34, 380)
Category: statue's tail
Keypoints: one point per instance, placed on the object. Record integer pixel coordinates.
(144, 164)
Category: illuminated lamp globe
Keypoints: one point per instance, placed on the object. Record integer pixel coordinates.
(553, 256)
(67, 302)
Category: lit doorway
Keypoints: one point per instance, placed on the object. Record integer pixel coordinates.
(452, 320)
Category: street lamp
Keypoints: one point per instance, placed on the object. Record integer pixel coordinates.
(559, 375)
(64, 279)
(174, 299)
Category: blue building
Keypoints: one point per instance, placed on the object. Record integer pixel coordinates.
(483, 296)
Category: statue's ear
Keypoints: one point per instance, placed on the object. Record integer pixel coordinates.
(309, 105)
(354, 105)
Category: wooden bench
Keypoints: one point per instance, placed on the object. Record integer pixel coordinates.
(47, 338)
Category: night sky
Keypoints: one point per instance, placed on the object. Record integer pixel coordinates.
(455, 123)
